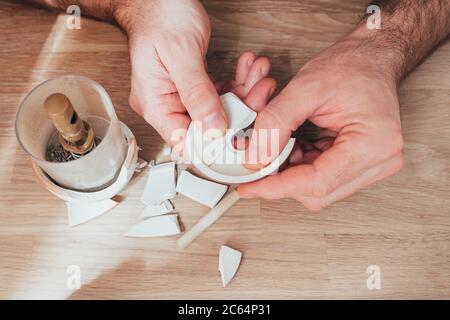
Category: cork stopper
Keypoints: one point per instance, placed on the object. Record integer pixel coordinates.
(75, 135)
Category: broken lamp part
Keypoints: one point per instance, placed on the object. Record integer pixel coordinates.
(159, 226)
(229, 261)
(200, 190)
(160, 184)
(81, 212)
(218, 159)
(157, 210)
(75, 137)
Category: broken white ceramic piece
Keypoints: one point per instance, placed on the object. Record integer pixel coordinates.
(218, 159)
(81, 212)
(157, 210)
(239, 116)
(200, 190)
(167, 150)
(141, 164)
(229, 261)
(160, 184)
(159, 226)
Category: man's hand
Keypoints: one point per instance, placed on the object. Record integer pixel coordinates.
(349, 90)
(169, 82)
(356, 103)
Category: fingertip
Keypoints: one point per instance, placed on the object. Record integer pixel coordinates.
(258, 71)
(215, 121)
(265, 66)
(243, 66)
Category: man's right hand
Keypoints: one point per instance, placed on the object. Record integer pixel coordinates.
(170, 85)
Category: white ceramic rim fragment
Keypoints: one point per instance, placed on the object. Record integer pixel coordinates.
(125, 174)
(81, 212)
(248, 117)
(200, 190)
(159, 226)
(160, 184)
(229, 261)
(157, 210)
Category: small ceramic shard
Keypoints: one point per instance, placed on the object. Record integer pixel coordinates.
(200, 190)
(229, 261)
(81, 212)
(141, 163)
(167, 150)
(160, 184)
(157, 210)
(159, 226)
(238, 114)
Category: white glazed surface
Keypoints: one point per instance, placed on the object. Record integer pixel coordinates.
(239, 117)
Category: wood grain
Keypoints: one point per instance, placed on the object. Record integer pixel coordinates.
(401, 224)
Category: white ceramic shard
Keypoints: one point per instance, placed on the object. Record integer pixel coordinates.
(141, 164)
(157, 210)
(218, 159)
(229, 261)
(167, 150)
(160, 184)
(81, 212)
(125, 175)
(200, 190)
(159, 226)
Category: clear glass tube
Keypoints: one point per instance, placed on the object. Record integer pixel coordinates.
(93, 171)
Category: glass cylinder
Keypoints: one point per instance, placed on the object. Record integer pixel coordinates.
(34, 129)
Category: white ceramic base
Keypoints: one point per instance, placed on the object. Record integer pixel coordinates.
(125, 174)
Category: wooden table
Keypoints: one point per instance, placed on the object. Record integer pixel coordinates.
(401, 224)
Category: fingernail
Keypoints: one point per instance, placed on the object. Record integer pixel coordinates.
(250, 61)
(264, 71)
(214, 122)
(269, 95)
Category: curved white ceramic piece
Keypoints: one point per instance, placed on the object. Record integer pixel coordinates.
(125, 174)
(81, 212)
(200, 190)
(159, 226)
(218, 159)
(160, 184)
(229, 261)
(157, 210)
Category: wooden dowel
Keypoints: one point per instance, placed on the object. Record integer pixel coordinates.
(208, 219)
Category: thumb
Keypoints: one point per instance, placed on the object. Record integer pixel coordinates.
(276, 122)
(198, 93)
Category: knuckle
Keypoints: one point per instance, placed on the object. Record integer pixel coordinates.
(196, 91)
(134, 103)
(323, 190)
(395, 144)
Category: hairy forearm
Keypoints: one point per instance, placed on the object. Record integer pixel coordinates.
(410, 29)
